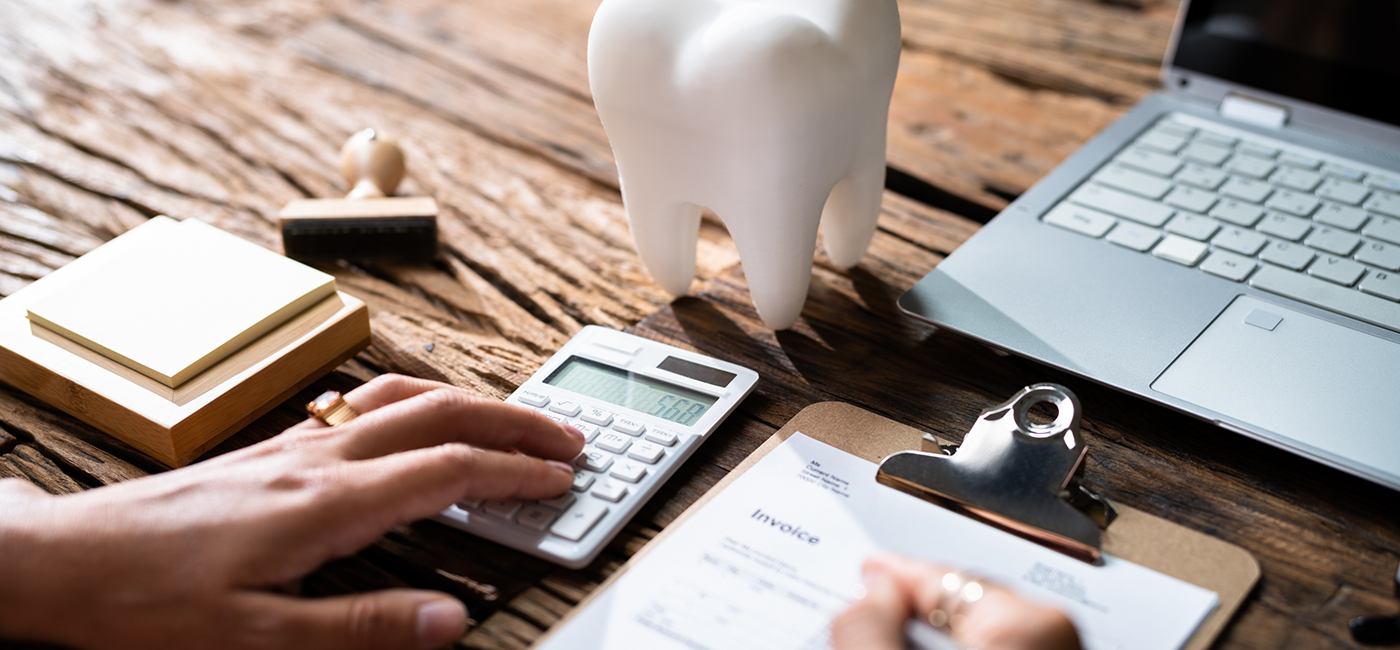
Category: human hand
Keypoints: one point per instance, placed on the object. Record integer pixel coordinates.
(898, 588)
(185, 559)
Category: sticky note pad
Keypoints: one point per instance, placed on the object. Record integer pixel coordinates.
(183, 300)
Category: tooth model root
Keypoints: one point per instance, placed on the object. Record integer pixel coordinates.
(772, 113)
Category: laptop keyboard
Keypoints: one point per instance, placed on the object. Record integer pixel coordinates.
(1319, 229)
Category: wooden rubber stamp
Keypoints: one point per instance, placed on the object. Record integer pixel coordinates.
(369, 223)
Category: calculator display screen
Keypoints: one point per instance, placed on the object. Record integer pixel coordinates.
(623, 388)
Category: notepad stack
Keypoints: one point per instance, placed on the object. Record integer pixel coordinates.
(175, 335)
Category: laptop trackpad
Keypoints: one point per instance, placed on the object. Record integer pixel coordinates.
(1327, 386)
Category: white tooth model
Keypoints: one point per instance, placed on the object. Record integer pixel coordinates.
(769, 112)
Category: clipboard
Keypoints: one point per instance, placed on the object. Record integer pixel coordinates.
(1135, 536)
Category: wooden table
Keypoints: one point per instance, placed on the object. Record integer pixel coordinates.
(114, 111)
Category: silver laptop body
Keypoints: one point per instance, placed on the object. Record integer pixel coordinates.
(1294, 341)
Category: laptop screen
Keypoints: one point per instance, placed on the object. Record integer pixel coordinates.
(1343, 54)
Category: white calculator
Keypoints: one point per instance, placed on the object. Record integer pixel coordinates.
(644, 407)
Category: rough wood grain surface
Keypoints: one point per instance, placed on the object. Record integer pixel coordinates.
(112, 112)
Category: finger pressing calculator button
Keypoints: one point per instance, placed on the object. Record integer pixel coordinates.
(557, 418)
(629, 427)
(610, 490)
(579, 519)
(597, 416)
(629, 470)
(582, 480)
(564, 500)
(503, 508)
(595, 460)
(566, 407)
(662, 437)
(647, 452)
(535, 517)
(532, 398)
(614, 442)
(469, 504)
(589, 431)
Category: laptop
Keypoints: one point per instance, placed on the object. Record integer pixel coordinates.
(1230, 247)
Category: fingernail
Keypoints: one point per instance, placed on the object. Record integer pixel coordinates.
(561, 466)
(440, 622)
(570, 428)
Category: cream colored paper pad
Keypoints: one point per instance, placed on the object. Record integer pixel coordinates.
(189, 296)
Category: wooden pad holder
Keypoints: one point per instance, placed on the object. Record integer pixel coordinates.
(172, 425)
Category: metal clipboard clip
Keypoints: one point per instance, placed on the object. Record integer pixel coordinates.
(1009, 472)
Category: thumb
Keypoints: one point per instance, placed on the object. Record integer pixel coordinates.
(875, 621)
(396, 618)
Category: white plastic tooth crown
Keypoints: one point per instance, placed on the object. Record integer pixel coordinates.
(770, 112)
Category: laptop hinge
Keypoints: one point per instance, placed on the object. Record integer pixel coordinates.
(1253, 111)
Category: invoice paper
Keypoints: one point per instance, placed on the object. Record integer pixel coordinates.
(770, 561)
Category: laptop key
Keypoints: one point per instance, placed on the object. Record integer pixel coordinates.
(1350, 302)
(1385, 203)
(1299, 160)
(1191, 199)
(1293, 203)
(1246, 189)
(1382, 228)
(1386, 183)
(1341, 191)
(1122, 204)
(1201, 176)
(1193, 226)
(1131, 235)
(1250, 166)
(1216, 139)
(1284, 226)
(1205, 153)
(1386, 256)
(1152, 162)
(1175, 128)
(1332, 241)
(1240, 214)
(1385, 285)
(1296, 179)
(1139, 183)
(1340, 216)
(1288, 255)
(1180, 250)
(1228, 265)
(1339, 270)
(1162, 141)
(1080, 219)
(1240, 240)
(1256, 149)
(1344, 173)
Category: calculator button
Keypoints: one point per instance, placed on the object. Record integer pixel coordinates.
(562, 501)
(614, 442)
(579, 520)
(589, 431)
(629, 470)
(532, 398)
(595, 460)
(557, 418)
(469, 504)
(582, 480)
(629, 427)
(569, 408)
(503, 508)
(535, 517)
(647, 452)
(597, 416)
(662, 437)
(610, 490)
